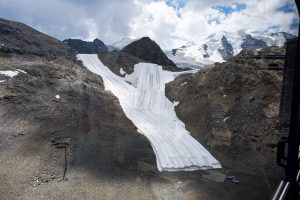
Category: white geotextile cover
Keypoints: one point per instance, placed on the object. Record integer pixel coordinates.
(142, 97)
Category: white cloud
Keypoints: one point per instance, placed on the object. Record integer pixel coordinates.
(198, 19)
(169, 26)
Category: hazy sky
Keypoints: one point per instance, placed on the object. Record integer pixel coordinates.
(169, 22)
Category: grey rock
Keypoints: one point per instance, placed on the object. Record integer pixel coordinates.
(227, 50)
(253, 43)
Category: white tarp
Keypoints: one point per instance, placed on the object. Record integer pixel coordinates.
(145, 104)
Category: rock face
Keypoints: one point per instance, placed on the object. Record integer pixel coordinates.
(252, 43)
(147, 50)
(226, 52)
(119, 62)
(84, 47)
(232, 109)
(205, 53)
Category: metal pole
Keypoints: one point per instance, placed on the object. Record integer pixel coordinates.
(278, 191)
(285, 191)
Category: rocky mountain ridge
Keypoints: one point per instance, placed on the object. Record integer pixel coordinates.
(84, 47)
(143, 49)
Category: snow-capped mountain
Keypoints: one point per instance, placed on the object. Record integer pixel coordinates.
(221, 46)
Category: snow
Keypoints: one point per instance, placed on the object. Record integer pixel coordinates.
(176, 103)
(122, 72)
(191, 55)
(9, 73)
(225, 119)
(57, 96)
(145, 104)
(22, 71)
(123, 43)
(183, 83)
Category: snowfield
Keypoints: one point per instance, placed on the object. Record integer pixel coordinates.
(142, 97)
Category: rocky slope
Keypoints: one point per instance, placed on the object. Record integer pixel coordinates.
(52, 104)
(232, 108)
(81, 46)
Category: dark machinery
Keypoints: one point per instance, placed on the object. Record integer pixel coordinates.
(288, 147)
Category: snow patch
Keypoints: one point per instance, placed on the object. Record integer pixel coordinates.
(176, 103)
(57, 96)
(9, 73)
(22, 71)
(122, 72)
(1, 81)
(145, 104)
(183, 83)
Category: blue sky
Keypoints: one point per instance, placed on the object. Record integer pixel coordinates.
(176, 4)
(169, 22)
(230, 9)
(287, 8)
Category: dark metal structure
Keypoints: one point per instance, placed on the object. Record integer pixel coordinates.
(288, 147)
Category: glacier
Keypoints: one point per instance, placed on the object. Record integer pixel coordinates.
(142, 97)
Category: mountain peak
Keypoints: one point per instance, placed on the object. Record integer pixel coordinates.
(148, 50)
